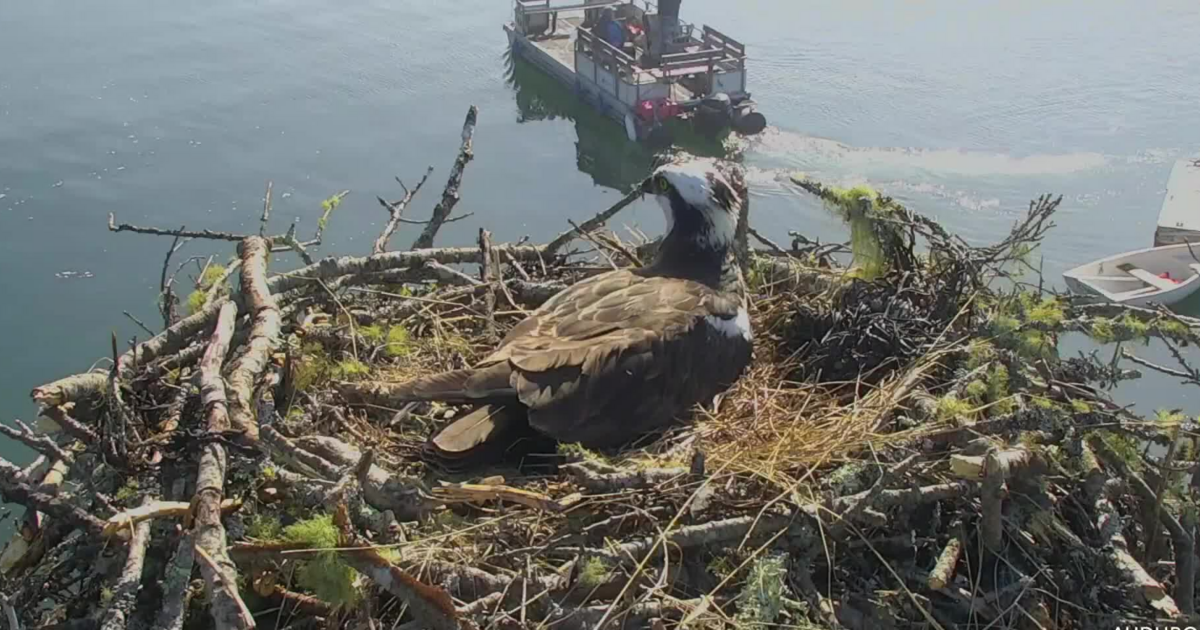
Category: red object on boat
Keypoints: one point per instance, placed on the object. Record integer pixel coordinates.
(659, 108)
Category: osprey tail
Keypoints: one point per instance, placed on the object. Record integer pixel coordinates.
(488, 435)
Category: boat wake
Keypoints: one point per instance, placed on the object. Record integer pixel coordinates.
(797, 151)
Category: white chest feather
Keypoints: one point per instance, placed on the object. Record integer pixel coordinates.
(738, 326)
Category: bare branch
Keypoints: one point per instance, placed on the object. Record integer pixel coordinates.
(593, 223)
(289, 240)
(113, 226)
(70, 425)
(266, 213)
(194, 328)
(167, 300)
(487, 272)
(1187, 377)
(396, 210)
(450, 195)
(18, 490)
(449, 275)
(608, 244)
(769, 243)
(40, 443)
(140, 323)
(430, 605)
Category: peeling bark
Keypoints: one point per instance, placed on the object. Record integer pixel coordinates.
(126, 588)
(264, 336)
(600, 482)
(176, 579)
(943, 572)
(220, 574)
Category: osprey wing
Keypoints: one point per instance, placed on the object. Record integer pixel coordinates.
(618, 354)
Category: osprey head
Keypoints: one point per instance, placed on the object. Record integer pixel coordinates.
(698, 201)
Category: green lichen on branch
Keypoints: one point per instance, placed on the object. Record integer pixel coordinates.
(952, 408)
(324, 574)
(871, 234)
(312, 367)
(327, 207)
(212, 274)
(593, 572)
(350, 370)
(264, 527)
(372, 333)
(398, 343)
(765, 593)
(1127, 327)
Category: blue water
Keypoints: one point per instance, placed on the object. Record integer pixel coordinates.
(173, 114)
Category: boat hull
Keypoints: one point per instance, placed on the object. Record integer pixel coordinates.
(1136, 278)
(598, 99)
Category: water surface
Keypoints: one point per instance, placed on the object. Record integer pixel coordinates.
(179, 114)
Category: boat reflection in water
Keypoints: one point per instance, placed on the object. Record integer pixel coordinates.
(602, 149)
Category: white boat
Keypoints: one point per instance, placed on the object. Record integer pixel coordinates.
(1179, 218)
(1157, 275)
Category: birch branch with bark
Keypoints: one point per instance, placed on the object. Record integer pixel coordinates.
(264, 336)
(220, 574)
(196, 327)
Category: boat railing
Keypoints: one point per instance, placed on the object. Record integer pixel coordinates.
(602, 52)
(691, 60)
(717, 39)
(540, 7)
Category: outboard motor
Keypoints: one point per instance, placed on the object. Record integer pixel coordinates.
(746, 121)
(714, 113)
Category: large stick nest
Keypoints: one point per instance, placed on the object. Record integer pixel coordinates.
(907, 450)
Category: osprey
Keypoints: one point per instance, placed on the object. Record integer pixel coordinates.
(619, 354)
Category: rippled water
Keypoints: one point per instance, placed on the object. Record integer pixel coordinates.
(178, 114)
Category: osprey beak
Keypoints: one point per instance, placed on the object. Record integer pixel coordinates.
(647, 186)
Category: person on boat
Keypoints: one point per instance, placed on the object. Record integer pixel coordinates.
(609, 29)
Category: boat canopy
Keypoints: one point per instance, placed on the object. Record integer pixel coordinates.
(1179, 218)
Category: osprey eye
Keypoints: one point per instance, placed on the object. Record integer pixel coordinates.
(662, 184)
